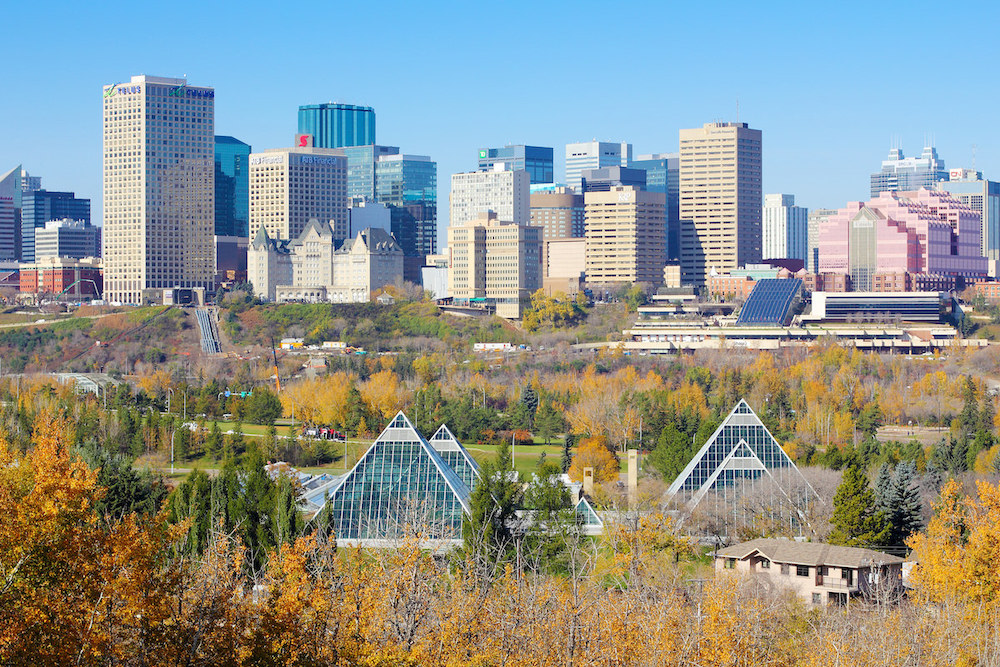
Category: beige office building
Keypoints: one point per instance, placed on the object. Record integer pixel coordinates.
(502, 192)
(159, 188)
(559, 212)
(720, 199)
(626, 235)
(494, 261)
(291, 186)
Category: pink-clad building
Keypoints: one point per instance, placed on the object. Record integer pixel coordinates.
(921, 233)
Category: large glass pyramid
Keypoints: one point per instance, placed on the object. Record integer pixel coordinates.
(740, 459)
(456, 456)
(401, 486)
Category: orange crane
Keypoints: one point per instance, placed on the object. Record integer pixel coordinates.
(274, 358)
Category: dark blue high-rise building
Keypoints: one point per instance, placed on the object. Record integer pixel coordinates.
(361, 162)
(663, 174)
(337, 125)
(536, 160)
(232, 187)
(407, 184)
(40, 206)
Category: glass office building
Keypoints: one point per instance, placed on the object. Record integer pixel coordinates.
(40, 206)
(232, 187)
(408, 185)
(361, 170)
(536, 160)
(400, 484)
(663, 174)
(337, 125)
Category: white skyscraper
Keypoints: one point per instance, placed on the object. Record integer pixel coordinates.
(594, 155)
(159, 187)
(505, 193)
(785, 229)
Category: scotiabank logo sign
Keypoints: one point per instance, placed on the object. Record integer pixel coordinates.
(303, 140)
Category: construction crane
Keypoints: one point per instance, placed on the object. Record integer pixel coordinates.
(274, 358)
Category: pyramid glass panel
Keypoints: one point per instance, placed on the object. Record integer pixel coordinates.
(456, 456)
(740, 462)
(399, 486)
(586, 515)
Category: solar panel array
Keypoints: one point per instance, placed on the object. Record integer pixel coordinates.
(770, 301)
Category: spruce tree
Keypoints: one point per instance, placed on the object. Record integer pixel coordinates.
(488, 531)
(857, 520)
(567, 453)
(883, 487)
(904, 504)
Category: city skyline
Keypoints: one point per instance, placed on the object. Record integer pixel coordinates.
(806, 106)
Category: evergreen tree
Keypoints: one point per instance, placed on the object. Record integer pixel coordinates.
(567, 453)
(529, 399)
(857, 520)
(883, 486)
(488, 531)
(553, 520)
(213, 443)
(904, 504)
(548, 421)
(287, 520)
(870, 420)
(237, 441)
(127, 490)
(672, 453)
(193, 499)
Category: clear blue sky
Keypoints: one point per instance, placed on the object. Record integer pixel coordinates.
(831, 85)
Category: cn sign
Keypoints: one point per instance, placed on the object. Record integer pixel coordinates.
(303, 140)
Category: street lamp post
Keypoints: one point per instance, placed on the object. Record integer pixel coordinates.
(172, 436)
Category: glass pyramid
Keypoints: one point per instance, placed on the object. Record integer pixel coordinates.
(740, 454)
(400, 486)
(456, 456)
(586, 515)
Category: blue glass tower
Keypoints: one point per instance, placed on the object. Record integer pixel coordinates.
(408, 185)
(232, 187)
(361, 170)
(663, 174)
(337, 125)
(40, 206)
(536, 160)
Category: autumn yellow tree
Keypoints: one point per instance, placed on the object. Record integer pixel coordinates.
(593, 453)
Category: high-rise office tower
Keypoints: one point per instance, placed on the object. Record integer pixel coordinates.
(30, 183)
(337, 125)
(407, 184)
(594, 155)
(625, 232)
(159, 187)
(10, 208)
(815, 220)
(558, 210)
(901, 174)
(720, 199)
(605, 178)
(663, 174)
(495, 260)
(506, 193)
(361, 162)
(290, 186)
(969, 187)
(41, 206)
(785, 229)
(232, 187)
(536, 160)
